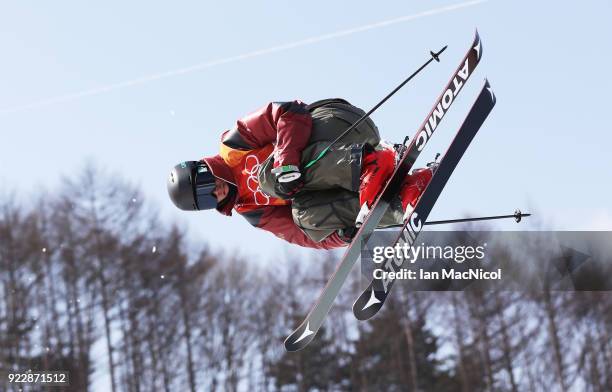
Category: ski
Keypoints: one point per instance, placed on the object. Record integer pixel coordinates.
(307, 330)
(373, 298)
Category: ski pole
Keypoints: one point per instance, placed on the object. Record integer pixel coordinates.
(518, 215)
(434, 56)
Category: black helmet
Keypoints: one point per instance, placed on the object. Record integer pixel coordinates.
(191, 185)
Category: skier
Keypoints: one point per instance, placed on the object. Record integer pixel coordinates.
(258, 174)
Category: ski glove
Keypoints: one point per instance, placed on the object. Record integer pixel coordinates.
(288, 181)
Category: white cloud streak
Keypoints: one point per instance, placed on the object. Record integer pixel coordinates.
(210, 64)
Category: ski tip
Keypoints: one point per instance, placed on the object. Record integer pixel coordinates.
(477, 45)
(490, 90)
(367, 305)
(299, 338)
(365, 314)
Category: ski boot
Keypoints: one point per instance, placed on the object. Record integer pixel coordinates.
(376, 169)
(414, 185)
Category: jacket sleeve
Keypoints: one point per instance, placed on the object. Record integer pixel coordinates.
(278, 221)
(285, 124)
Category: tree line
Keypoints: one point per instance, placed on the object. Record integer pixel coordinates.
(93, 282)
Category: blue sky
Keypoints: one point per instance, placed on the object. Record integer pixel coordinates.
(80, 82)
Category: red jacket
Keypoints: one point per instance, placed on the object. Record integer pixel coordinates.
(279, 128)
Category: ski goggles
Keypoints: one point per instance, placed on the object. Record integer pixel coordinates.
(204, 187)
